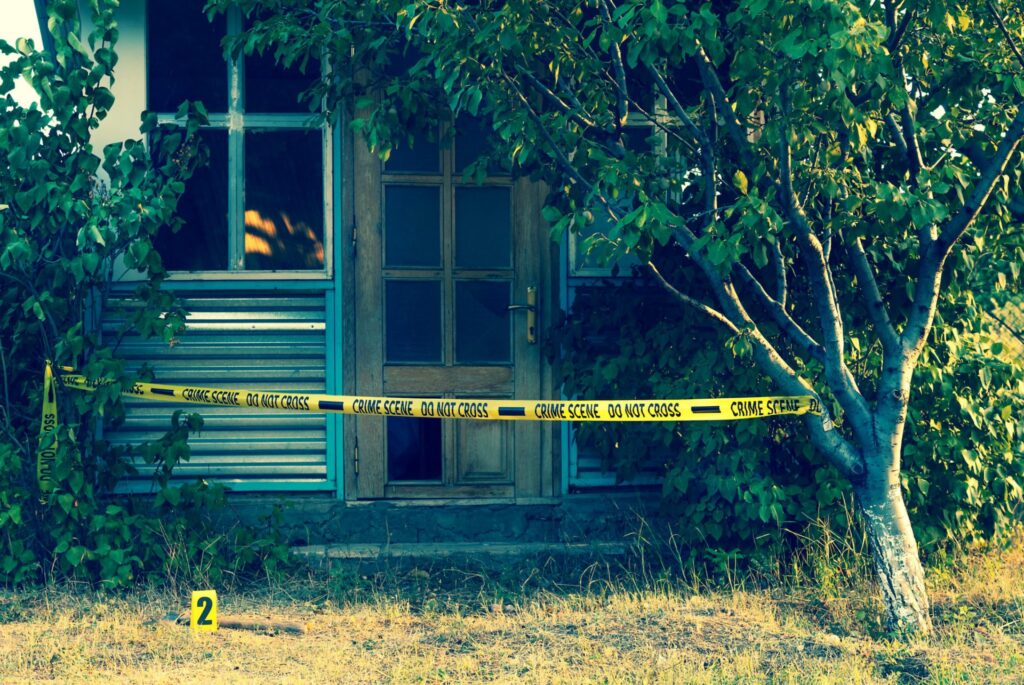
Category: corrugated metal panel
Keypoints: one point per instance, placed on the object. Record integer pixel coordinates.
(236, 340)
(586, 471)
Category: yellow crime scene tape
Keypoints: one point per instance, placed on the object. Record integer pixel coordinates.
(729, 408)
(46, 457)
(722, 409)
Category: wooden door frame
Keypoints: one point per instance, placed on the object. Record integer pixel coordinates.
(536, 260)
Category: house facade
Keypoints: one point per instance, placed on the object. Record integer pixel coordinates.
(308, 264)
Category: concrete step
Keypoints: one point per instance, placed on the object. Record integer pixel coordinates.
(320, 523)
(464, 551)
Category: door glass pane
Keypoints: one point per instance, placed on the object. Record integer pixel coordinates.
(483, 332)
(483, 227)
(201, 244)
(284, 200)
(414, 449)
(270, 87)
(412, 226)
(412, 321)
(184, 57)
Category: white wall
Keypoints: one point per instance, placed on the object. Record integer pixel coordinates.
(129, 86)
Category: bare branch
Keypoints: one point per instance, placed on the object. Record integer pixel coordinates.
(1006, 32)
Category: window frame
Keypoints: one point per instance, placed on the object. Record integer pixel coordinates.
(236, 122)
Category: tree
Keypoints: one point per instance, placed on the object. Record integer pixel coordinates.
(821, 165)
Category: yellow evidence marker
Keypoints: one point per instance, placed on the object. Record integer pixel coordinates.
(204, 610)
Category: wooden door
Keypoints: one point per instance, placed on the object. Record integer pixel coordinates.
(438, 262)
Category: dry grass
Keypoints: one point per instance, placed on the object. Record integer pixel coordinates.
(519, 625)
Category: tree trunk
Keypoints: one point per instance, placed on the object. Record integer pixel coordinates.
(894, 550)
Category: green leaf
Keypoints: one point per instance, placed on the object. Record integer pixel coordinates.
(739, 179)
(75, 555)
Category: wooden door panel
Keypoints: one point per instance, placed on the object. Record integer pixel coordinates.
(483, 452)
(434, 381)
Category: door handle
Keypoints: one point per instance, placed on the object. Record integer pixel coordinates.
(531, 313)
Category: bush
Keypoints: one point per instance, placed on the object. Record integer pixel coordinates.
(68, 218)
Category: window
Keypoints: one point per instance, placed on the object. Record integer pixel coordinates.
(263, 201)
(447, 254)
(591, 247)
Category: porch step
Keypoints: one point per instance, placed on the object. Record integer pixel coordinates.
(470, 551)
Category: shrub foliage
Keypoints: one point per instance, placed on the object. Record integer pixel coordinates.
(69, 217)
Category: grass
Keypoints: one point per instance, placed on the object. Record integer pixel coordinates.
(600, 623)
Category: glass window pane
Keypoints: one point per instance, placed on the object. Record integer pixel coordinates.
(414, 449)
(201, 244)
(412, 321)
(412, 226)
(422, 158)
(270, 87)
(184, 57)
(483, 227)
(483, 331)
(284, 199)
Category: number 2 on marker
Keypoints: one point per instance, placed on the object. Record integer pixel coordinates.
(204, 610)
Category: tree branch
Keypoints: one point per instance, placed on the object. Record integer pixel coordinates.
(569, 111)
(839, 376)
(915, 158)
(1006, 32)
(820, 429)
(736, 131)
(830, 318)
(897, 136)
(956, 226)
(877, 310)
(677, 107)
(691, 302)
(933, 256)
(622, 94)
(781, 287)
(781, 317)
(896, 36)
